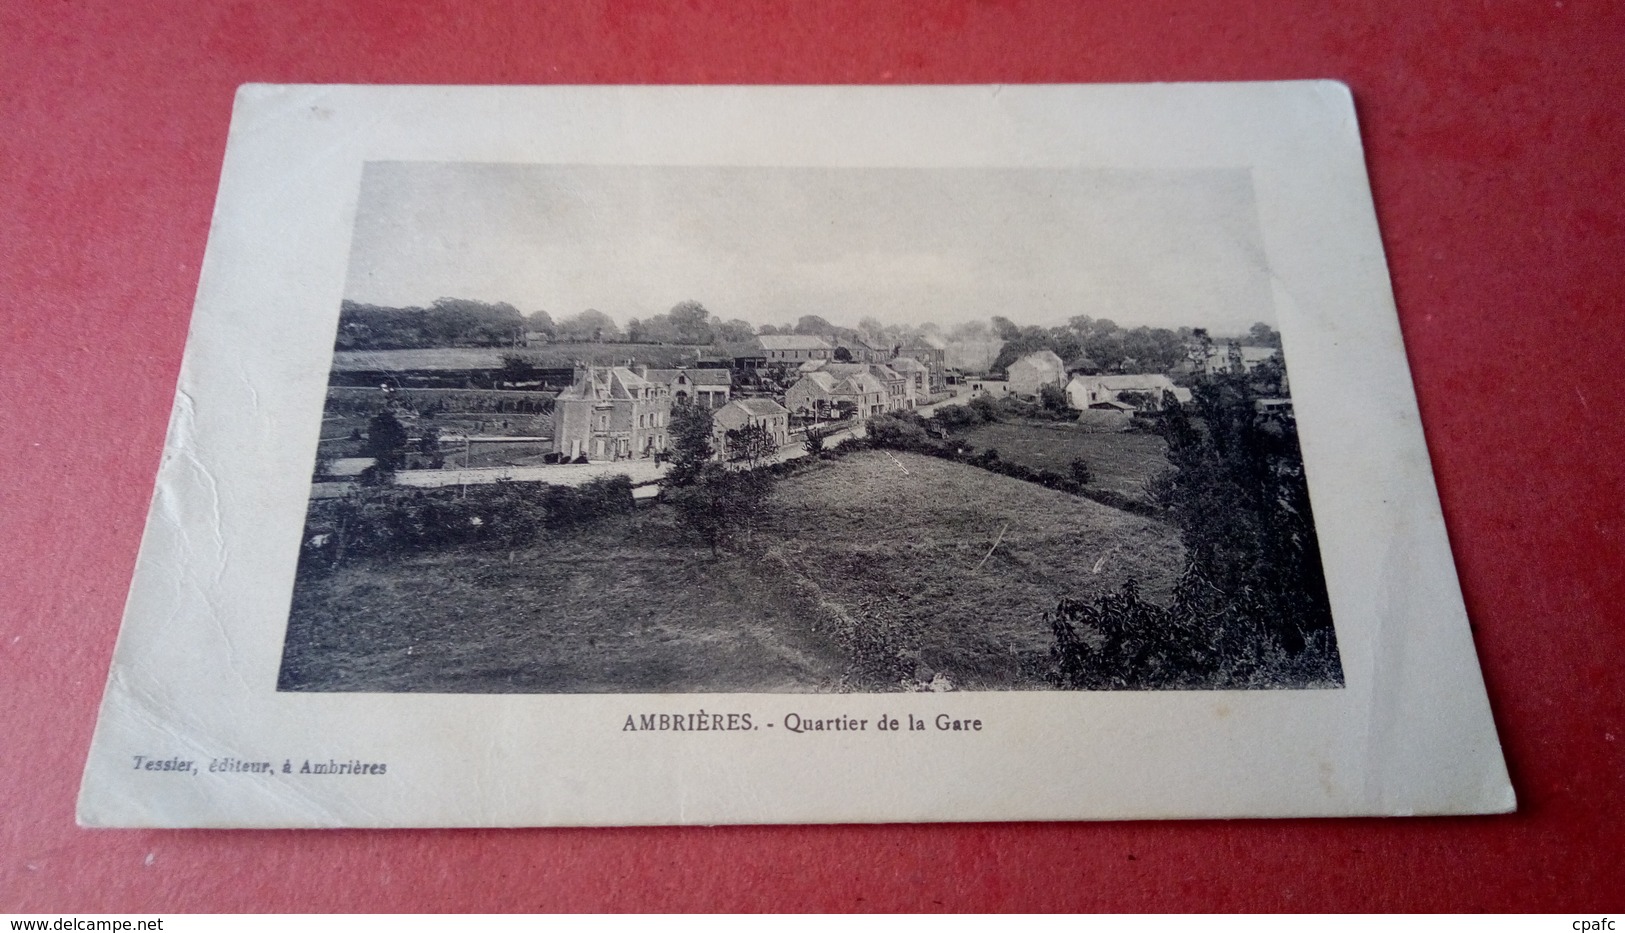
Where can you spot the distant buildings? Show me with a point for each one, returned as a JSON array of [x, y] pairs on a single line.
[[794, 348], [1221, 360], [611, 413]]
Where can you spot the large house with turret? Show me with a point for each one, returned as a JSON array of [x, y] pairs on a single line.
[[611, 413]]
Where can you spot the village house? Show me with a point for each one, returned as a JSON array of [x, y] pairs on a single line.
[[864, 392], [1124, 393], [794, 348], [750, 412], [916, 374], [932, 351], [859, 350], [812, 394], [1034, 371], [823, 394], [898, 393], [611, 413], [710, 388]]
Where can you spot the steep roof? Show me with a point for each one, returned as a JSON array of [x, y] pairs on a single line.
[[881, 371], [1045, 359], [792, 342], [821, 379], [908, 364], [860, 384], [760, 407], [1128, 383], [602, 383]]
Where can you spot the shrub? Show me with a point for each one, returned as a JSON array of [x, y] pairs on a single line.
[[814, 441], [985, 408], [1080, 471]]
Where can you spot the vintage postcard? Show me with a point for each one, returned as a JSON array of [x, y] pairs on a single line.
[[594, 455]]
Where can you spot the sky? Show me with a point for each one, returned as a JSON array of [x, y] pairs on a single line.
[[768, 245]]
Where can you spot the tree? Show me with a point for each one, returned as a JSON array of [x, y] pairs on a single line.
[[1107, 350], [817, 437], [590, 324], [1269, 376], [1081, 474], [541, 322], [1199, 349], [1005, 328], [1263, 335], [386, 441], [842, 355], [751, 443], [813, 325], [1053, 397], [1240, 499], [691, 431], [722, 504], [691, 322], [734, 331]]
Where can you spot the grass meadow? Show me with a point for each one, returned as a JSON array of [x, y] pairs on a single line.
[[934, 567], [1121, 462]]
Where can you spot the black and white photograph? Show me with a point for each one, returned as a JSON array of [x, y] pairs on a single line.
[[708, 429]]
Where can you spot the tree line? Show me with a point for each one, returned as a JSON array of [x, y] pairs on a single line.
[[454, 322], [448, 322]]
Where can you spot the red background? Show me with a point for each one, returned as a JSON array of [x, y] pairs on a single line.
[[1495, 139]]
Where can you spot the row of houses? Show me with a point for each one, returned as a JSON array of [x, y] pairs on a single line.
[[861, 389], [624, 413]]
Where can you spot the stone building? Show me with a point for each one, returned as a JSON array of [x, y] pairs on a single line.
[[794, 348], [1034, 371], [710, 388], [611, 413], [739, 413]]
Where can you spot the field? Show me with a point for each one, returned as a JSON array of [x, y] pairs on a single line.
[[873, 555], [1121, 463]]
